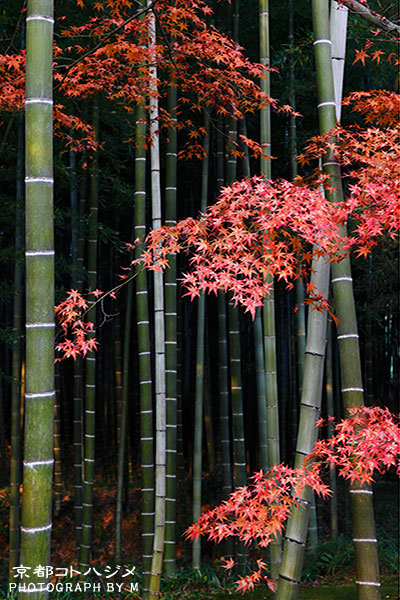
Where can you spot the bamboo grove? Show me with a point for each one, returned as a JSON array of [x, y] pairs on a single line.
[[207, 192]]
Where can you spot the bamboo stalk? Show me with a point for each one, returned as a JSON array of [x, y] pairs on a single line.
[[200, 356], [78, 391], [38, 462], [57, 446], [331, 413], [296, 530], [90, 383], [16, 451], [144, 350], [159, 329], [171, 310]]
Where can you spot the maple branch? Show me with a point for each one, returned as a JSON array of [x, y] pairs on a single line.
[[137, 14], [381, 21]]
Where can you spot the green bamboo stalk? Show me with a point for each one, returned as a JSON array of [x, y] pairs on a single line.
[[198, 427], [300, 332], [200, 356], [208, 414], [369, 382], [3, 465], [171, 310], [265, 114], [261, 393], [220, 155], [77, 430], [15, 471], [296, 530], [122, 446], [272, 407], [269, 304], [223, 354], [299, 286], [259, 352], [331, 413], [74, 215], [293, 380], [118, 375], [90, 384], [239, 452], [292, 95], [312, 538], [57, 446], [39, 394], [329, 96], [159, 330], [238, 437], [144, 349], [224, 398]]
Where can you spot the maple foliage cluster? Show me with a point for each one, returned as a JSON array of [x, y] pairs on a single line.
[[369, 156], [365, 442], [70, 315], [110, 54], [261, 228], [257, 228]]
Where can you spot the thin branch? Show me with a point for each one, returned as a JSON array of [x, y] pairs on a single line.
[[371, 16]]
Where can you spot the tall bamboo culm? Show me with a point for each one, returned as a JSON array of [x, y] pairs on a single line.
[[15, 471], [159, 332], [144, 349], [224, 428], [123, 437], [78, 369], [90, 383], [259, 352], [238, 438], [200, 369], [361, 497], [296, 529], [331, 413], [269, 304], [171, 310], [57, 444], [39, 393]]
